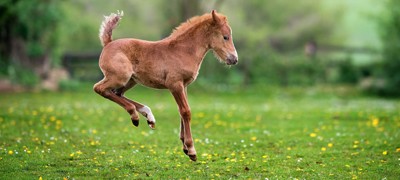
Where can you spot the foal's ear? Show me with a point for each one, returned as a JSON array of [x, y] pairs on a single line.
[[215, 17]]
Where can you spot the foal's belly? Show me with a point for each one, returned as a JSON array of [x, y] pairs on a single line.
[[149, 81]]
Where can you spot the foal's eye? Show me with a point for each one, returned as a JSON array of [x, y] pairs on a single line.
[[226, 38]]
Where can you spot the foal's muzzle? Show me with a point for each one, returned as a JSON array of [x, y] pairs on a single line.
[[231, 60]]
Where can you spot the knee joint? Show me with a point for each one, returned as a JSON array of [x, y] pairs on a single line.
[[185, 113]]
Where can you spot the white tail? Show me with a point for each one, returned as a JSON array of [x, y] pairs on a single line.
[[107, 26]]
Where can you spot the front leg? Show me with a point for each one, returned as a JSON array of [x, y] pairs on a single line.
[[179, 94], [182, 137]]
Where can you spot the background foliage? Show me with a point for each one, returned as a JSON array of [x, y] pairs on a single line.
[[356, 41], [390, 35]]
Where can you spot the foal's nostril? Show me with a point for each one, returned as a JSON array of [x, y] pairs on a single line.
[[235, 61], [232, 60]]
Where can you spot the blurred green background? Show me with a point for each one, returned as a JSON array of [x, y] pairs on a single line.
[[51, 44]]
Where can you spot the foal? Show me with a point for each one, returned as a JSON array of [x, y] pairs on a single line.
[[172, 63]]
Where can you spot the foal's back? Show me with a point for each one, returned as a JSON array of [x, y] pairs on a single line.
[[145, 62]]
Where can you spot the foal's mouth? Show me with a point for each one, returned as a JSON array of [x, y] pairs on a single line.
[[231, 60]]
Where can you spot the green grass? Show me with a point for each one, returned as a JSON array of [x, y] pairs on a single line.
[[316, 133]]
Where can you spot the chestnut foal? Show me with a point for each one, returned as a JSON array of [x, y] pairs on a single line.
[[172, 63]]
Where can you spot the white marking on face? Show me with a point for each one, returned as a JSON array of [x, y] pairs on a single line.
[[235, 53], [146, 112]]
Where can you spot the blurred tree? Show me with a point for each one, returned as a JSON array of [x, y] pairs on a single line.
[[289, 26], [270, 36], [179, 11], [28, 34], [390, 36]]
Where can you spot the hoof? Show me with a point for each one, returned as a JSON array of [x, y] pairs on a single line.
[[151, 124], [135, 123], [185, 151], [193, 157]]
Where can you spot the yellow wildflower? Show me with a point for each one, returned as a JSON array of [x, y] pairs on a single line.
[[375, 122], [313, 135]]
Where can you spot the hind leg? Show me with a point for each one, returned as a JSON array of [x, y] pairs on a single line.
[[107, 88], [146, 112], [143, 109]]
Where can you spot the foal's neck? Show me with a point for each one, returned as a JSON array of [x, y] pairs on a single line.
[[194, 42]]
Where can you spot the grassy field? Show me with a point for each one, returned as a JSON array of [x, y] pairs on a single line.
[[312, 133]]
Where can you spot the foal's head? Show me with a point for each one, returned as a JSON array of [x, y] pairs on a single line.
[[221, 40]]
